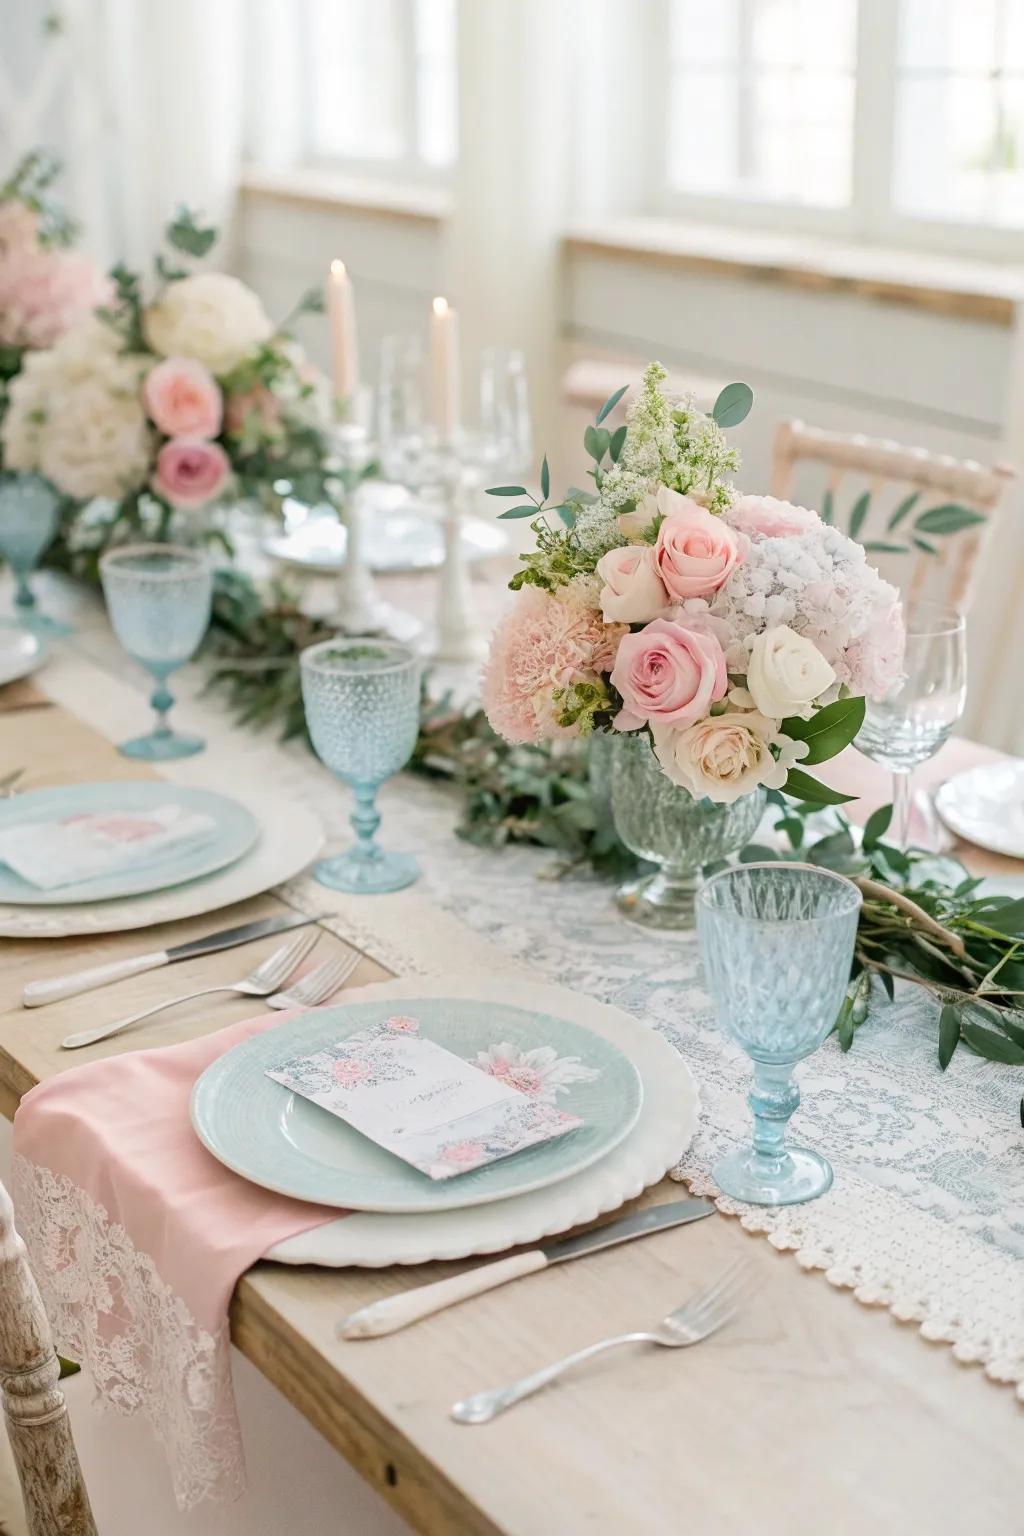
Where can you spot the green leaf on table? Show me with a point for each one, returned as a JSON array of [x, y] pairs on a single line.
[[802, 787], [858, 516], [949, 1034], [758, 853], [527, 511], [828, 507], [1014, 1029], [951, 517], [1009, 918], [67, 1367], [887, 983], [793, 828], [904, 510], [733, 405], [545, 479], [610, 404], [618, 438], [836, 851], [994, 1047], [844, 1026], [828, 731], [506, 490], [876, 826]]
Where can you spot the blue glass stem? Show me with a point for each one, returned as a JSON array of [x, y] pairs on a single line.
[[365, 820], [162, 701], [773, 1098], [24, 597]]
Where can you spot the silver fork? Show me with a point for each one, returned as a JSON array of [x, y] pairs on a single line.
[[265, 979], [695, 1320], [318, 985], [8, 782]]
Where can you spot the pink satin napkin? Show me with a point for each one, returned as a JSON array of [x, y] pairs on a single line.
[[138, 1236]]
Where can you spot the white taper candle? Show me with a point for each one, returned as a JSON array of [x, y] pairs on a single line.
[[341, 313], [444, 352]]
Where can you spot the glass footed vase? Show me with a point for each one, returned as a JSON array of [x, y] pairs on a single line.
[[663, 823]]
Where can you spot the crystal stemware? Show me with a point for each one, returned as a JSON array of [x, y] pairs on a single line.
[[909, 726], [776, 941], [29, 519], [158, 598], [362, 700]]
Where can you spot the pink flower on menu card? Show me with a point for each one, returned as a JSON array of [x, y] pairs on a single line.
[[402, 1024], [465, 1153], [191, 471], [183, 398], [349, 1072]]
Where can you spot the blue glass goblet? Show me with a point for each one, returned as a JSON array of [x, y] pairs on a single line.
[[158, 598], [29, 519], [777, 941], [362, 701]]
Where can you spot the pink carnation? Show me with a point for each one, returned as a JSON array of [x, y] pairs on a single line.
[[182, 398], [543, 643], [190, 471], [772, 518], [44, 292]]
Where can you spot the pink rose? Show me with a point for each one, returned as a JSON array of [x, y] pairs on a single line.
[[633, 592], [771, 517], [190, 471], [183, 399], [667, 675], [696, 550]]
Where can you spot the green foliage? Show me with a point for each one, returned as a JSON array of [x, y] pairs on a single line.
[[610, 404], [801, 786], [943, 520], [30, 183], [187, 235], [828, 731], [733, 405]]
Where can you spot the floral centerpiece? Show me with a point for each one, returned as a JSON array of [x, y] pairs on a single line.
[[735, 636], [169, 402]]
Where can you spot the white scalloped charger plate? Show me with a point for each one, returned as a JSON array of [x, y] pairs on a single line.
[[290, 838], [664, 1129], [985, 805]]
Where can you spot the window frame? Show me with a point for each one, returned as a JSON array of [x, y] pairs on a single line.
[[871, 217]]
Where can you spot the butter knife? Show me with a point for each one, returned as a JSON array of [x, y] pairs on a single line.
[[396, 1312], [38, 992]]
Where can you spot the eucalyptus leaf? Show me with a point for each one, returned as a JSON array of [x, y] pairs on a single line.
[[924, 546], [615, 446], [1008, 918], [904, 510], [858, 516], [733, 405], [880, 547], [596, 441], [951, 517], [545, 479], [507, 490], [949, 1033], [610, 404], [828, 507], [992, 1046], [527, 511], [758, 853], [876, 826], [567, 514]]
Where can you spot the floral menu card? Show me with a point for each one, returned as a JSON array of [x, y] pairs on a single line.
[[416, 1099]]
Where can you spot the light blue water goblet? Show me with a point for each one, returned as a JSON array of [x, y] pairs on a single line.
[[362, 701], [777, 941], [158, 598], [29, 519]]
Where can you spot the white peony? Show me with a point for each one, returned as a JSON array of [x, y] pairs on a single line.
[[722, 757], [76, 416], [209, 316], [786, 673]]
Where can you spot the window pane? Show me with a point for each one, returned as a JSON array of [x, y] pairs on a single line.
[[436, 101], [356, 67], [765, 112], [959, 151]]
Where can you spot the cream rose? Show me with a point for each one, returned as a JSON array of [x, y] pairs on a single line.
[[696, 551], [633, 592], [786, 673], [209, 316], [722, 757]]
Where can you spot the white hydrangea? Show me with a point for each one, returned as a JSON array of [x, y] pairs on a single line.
[[209, 316]]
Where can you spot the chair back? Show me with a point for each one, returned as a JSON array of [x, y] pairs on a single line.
[[56, 1503], [923, 517]]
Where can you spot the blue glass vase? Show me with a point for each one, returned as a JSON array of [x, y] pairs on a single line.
[[29, 519]]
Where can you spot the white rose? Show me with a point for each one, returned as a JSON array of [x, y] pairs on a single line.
[[633, 592], [721, 757], [209, 316], [634, 525], [786, 673]]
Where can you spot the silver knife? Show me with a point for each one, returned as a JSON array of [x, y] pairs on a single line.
[[39, 992], [396, 1312]]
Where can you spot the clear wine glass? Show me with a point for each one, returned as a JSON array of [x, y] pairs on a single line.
[[402, 415], [505, 411], [158, 598], [776, 941], [909, 726]]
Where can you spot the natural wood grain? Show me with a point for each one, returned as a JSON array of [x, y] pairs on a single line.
[[811, 1413], [56, 1503]]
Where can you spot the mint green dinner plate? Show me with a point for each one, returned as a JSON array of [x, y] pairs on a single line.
[[275, 1138]]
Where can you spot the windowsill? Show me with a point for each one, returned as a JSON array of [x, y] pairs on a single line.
[[949, 285], [328, 190]]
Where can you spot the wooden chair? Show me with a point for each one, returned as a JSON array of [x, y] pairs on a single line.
[[882, 468], [56, 1503]]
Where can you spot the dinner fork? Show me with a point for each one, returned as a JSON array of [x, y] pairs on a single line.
[[697, 1319], [318, 985], [8, 783], [265, 979]]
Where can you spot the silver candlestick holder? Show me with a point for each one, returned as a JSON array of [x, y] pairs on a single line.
[[361, 608]]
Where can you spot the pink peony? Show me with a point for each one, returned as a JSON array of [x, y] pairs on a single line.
[[696, 551], [44, 292], [633, 592], [183, 399], [190, 471], [667, 675], [772, 518], [544, 642]]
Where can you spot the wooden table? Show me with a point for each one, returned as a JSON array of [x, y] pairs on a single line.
[[811, 1413]]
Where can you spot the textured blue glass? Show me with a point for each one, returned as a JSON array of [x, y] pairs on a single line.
[[362, 701], [776, 941], [29, 519], [158, 599]]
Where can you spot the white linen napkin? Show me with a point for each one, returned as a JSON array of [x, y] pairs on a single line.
[[49, 854]]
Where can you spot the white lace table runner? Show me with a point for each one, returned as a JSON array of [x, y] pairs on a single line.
[[926, 1215]]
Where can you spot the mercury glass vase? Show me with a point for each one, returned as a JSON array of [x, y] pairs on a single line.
[[663, 823]]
